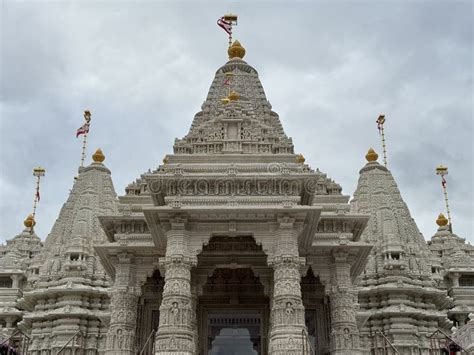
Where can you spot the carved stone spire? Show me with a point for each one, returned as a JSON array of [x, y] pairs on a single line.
[[70, 267], [398, 274], [17, 255], [245, 124]]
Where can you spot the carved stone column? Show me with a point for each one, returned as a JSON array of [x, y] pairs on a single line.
[[124, 307], [287, 313], [343, 299], [176, 333]]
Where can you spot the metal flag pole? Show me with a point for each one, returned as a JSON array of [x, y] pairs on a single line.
[[380, 122], [232, 20], [87, 117], [38, 173], [442, 171]]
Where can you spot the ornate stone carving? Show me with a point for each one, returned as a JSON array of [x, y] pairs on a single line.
[[176, 331], [287, 312]]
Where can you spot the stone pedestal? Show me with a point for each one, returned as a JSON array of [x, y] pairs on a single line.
[[343, 299], [176, 331], [287, 313]]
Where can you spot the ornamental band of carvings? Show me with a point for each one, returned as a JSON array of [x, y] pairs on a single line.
[[234, 187]]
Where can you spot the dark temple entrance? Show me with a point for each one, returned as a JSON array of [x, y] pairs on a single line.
[[233, 310]]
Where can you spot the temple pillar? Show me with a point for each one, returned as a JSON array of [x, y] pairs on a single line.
[[343, 299], [15, 280], [124, 308], [287, 311], [176, 331], [455, 279]]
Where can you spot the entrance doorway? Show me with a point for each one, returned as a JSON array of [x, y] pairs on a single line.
[[234, 332], [233, 310]]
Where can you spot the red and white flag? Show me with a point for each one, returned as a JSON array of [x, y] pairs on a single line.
[[84, 129], [443, 181], [226, 81], [226, 25]]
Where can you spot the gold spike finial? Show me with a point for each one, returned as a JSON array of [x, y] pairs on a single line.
[[29, 222], [98, 156], [442, 220], [236, 50], [371, 155], [300, 159]]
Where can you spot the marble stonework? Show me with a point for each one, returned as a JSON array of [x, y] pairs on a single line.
[[234, 226]]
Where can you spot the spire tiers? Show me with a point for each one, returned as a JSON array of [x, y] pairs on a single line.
[[399, 261], [68, 263], [236, 117]]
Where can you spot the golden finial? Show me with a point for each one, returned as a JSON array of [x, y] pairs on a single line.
[[39, 171], [236, 50], [442, 170], [98, 156], [231, 18], [300, 159], [371, 155], [166, 160], [233, 96], [442, 220], [29, 222]]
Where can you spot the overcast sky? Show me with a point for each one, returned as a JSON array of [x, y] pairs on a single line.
[[329, 68]]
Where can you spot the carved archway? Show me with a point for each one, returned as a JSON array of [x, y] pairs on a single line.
[[232, 299]]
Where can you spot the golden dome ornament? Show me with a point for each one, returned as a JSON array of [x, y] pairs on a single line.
[[236, 50], [98, 156], [29, 222], [442, 221], [371, 155], [300, 159]]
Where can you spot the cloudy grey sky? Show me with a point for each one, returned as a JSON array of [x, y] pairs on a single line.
[[329, 68]]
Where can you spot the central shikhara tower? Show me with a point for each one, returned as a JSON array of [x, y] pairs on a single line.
[[235, 242], [235, 175]]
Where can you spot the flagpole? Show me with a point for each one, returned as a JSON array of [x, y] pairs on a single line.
[[87, 117], [380, 122], [38, 173], [442, 171], [84, 145], [232, 20]]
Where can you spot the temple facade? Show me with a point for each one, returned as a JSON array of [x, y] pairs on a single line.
[[234, 245]]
